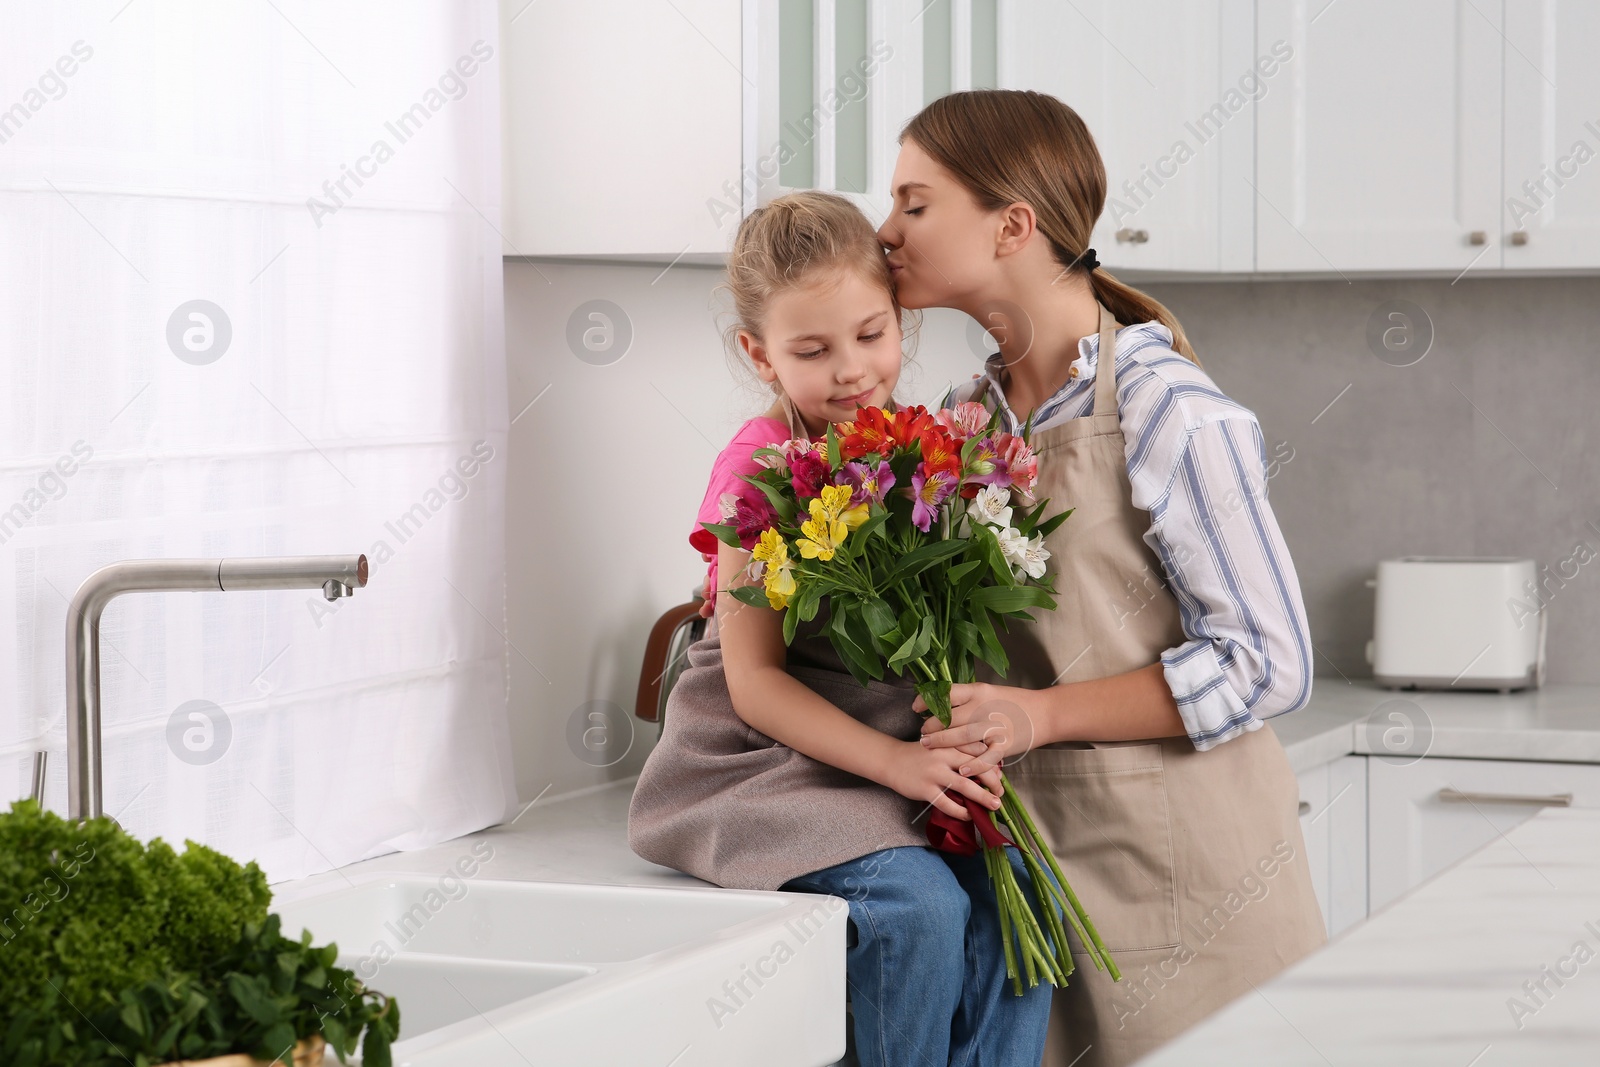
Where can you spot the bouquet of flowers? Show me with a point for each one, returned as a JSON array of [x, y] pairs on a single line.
[[920, 532]]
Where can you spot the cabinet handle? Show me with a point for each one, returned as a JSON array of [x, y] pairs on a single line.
[[1478, 237], [1519, 237], [1137, 237], [1550, 800], [1305, 807]]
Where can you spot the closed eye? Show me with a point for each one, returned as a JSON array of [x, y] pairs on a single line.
[[914, 211]]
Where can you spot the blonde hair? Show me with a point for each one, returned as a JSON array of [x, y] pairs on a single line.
[[793, 241], [1006, 145]]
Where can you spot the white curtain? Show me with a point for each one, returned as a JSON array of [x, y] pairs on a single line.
[[250, 305]]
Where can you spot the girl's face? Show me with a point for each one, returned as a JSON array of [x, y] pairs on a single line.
[[941, 243], [833, 345]]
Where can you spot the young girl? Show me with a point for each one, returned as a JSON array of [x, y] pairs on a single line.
[[776, 769]]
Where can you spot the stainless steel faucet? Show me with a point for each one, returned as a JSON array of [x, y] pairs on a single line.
[[336, 576]]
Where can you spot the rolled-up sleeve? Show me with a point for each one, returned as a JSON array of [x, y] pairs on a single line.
[[1247, 656]]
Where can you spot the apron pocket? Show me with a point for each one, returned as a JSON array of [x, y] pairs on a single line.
[[1104, 813]]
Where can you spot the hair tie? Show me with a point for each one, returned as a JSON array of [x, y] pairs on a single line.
[[1088, 260]]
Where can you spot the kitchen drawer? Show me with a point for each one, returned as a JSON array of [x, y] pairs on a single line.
[[1426, 815]]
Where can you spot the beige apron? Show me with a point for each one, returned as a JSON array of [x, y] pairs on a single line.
[[1191, 863]]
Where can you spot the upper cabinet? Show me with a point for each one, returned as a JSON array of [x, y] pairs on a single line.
[[1328, 137], [622, 127], [1378, 147], [833, 82], [1551, 210]]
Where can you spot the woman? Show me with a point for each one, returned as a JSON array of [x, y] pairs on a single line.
[[1130, 716]]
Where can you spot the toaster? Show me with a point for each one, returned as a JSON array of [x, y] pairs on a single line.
[[1457, 622]]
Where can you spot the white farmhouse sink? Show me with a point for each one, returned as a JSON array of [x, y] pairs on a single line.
[[518, 973]]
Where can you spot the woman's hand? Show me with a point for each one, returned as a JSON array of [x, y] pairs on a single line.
[[922, 773], [998, 719]]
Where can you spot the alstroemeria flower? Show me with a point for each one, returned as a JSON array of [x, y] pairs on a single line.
[[929, 490], [808, 472], [940, 451], [751, 517], [822, 533], [907, 424], [1021, 463], [779, 573], [966, 419], [991, 505], [870, 484], [871, 431], [1025, 555]]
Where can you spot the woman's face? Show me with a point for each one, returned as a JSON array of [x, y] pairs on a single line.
[[941, 244], [833, 344]]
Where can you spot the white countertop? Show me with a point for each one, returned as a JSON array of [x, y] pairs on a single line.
[[1558, 723], [1424, 981], [583, 837], [1432, 979]]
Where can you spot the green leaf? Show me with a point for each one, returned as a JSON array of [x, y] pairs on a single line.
[[791, 619], [1048, 526], [921, 558], [961, 570], [754, 595], [775, 496], [727, 533], [1010, 599]]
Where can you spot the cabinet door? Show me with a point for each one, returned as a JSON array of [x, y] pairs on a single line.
[[1378, 148], [621, 127], [832, 82], [1333, 820], [1552, 148], [1424, 816], [1166, 88]]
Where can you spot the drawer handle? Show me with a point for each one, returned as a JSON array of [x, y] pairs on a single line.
[[1549, 800]]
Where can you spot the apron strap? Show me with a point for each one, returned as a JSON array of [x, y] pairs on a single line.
[[1105, 385], [1105, 375]]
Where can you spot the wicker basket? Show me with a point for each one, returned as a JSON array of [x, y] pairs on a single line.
[[307, 1053]]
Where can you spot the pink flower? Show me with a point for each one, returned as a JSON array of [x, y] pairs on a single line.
[[963, 420], [750, 517], [1020, 461]]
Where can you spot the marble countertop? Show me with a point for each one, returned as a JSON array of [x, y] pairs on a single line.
[[583, 837], [1430, 979], [1494, 962], [1558, 723]]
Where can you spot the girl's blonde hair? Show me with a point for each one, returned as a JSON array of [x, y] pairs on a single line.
[[796, 240], [1006, 145]]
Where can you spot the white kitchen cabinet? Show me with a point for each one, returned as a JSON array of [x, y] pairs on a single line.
[[1424, 816], [621, 127], [1552, 137], [832, 83], [1167, 91], [1333, 821], [1378, 149]]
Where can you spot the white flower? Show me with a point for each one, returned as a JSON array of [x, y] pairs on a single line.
[[1026, 556], [1033, 557], [728, 506], [992, 505]]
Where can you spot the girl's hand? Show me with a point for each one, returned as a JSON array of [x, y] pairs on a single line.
[[708, 606], [922, 773], [999, 717]]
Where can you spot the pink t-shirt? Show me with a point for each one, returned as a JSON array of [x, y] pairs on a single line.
[[733, 461]]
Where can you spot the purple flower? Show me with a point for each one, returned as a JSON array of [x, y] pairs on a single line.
[[870, 485], [929, 492]]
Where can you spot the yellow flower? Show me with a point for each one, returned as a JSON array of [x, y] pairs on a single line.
[[779, 581], [823, 533]]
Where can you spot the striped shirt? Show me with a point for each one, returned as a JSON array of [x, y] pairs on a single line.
[[1198, 464]]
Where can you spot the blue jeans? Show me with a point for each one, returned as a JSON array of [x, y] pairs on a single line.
[[925, 967]]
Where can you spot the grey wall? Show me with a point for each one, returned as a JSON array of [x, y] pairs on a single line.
[[1486, 446], [1483, 447]]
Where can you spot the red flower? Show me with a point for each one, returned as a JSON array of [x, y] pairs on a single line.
[[907, 424], [940, 451], [809, 473], [870, 432]]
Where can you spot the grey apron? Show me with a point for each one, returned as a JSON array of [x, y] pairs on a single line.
[[722, 801], [1191, 863]]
